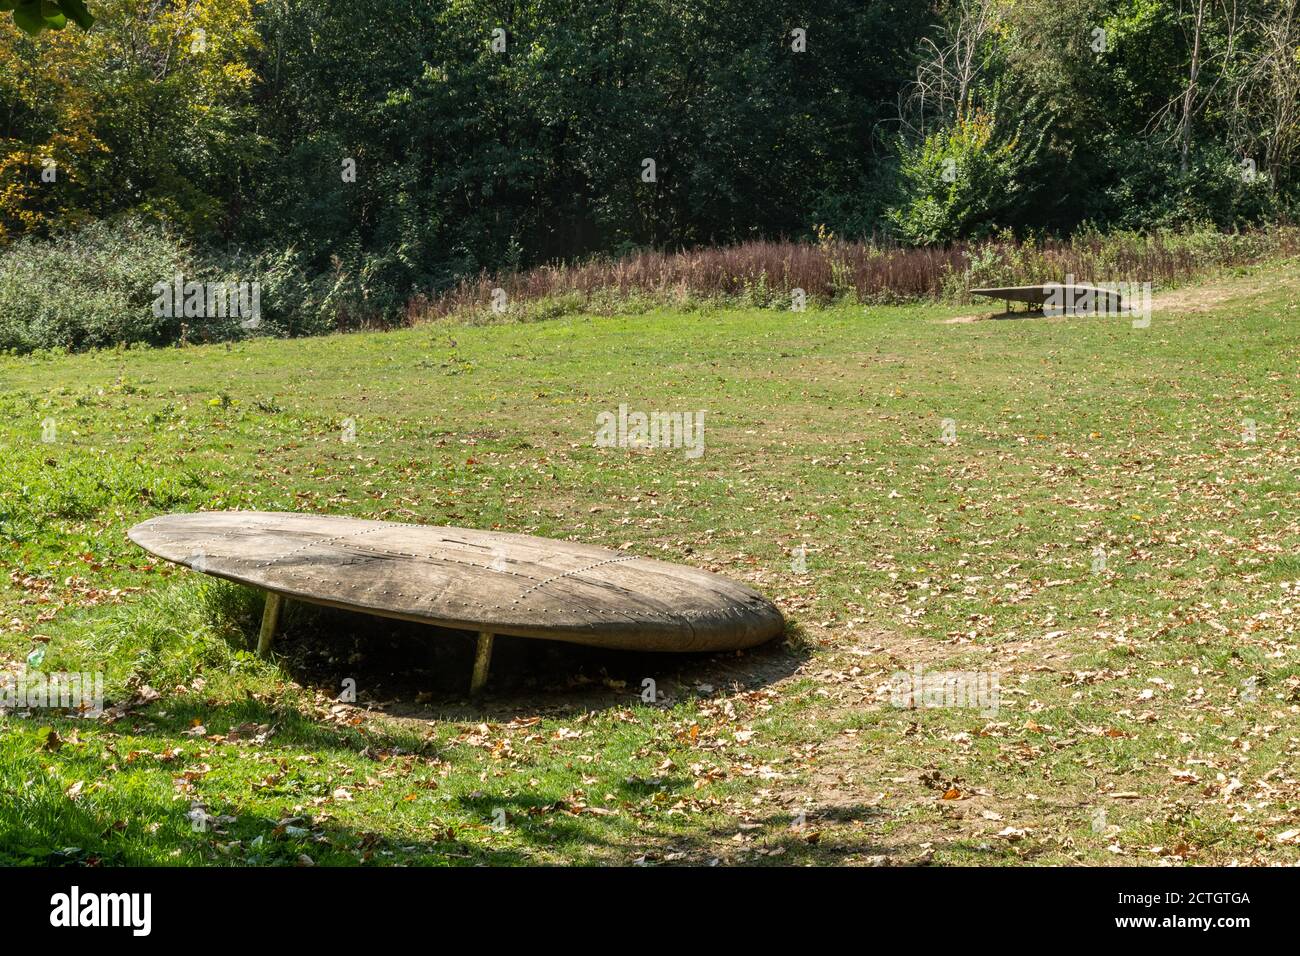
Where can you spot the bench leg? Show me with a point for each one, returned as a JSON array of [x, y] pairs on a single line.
[[270, 621], [482, 660]]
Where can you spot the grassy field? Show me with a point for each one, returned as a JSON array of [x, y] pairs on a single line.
[[1103, 533]]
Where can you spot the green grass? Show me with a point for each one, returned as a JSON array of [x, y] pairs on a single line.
[[1126, 691]]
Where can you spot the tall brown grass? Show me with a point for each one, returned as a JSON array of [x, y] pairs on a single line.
[[766, 273]]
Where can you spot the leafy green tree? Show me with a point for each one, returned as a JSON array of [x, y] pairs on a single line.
[[960, 182], [150, 112], [471, 155]]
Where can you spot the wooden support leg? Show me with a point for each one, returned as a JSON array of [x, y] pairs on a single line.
[[482, 659], [270, 620]]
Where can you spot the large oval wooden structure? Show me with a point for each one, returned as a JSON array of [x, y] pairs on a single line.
[[485, 581]]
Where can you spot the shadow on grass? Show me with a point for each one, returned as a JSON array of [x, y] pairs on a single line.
[[514, 831], [522, 830], [421, 671], [285, 724], [638, 820], [828, 836]]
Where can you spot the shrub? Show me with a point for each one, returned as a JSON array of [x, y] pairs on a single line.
[[89, 288], [1150, 191], [958, 183], [96, 288], [290, 302]]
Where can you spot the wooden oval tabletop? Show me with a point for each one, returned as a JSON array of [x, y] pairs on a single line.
[[475, 580]]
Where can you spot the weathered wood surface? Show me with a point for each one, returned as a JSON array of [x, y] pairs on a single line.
[[482, 581], [1066, 294]]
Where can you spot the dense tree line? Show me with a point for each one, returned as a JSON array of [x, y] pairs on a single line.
[[381, 149]]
